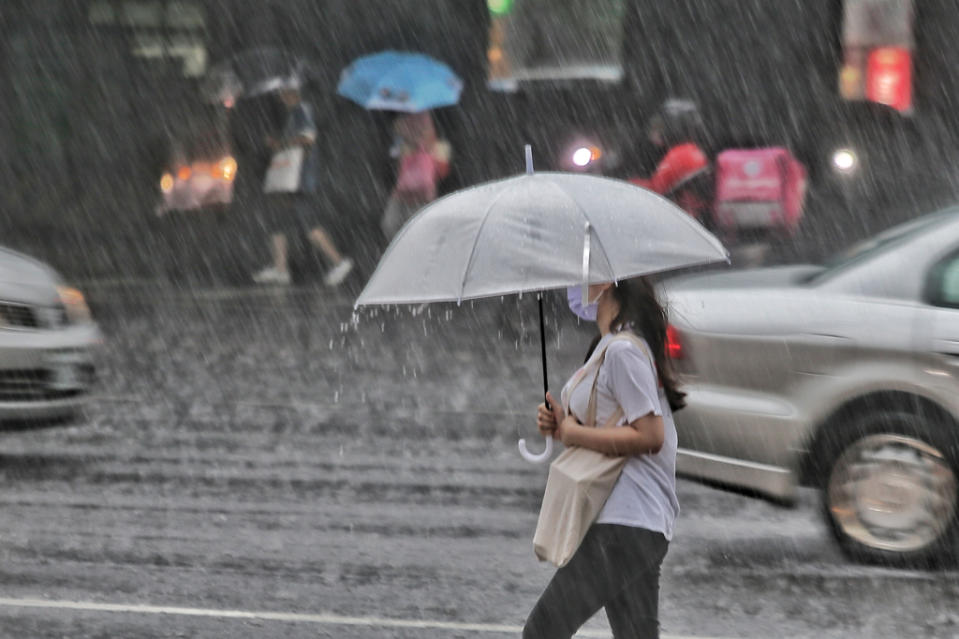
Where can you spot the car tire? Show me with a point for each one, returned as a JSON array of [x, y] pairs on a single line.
[[890, 496]]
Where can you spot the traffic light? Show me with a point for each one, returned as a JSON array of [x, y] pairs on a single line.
[[500, 7]]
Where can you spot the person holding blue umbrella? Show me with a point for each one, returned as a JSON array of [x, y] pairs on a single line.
[[409, 84], [422, 161], [400, 81]]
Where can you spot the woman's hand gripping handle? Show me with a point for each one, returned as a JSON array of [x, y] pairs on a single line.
[[549, 416]]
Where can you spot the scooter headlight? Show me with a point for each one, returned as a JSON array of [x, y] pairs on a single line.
[[585, 155], [582, 156], [845, 161]]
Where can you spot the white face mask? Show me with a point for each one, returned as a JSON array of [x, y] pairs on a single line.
[[588, 311]]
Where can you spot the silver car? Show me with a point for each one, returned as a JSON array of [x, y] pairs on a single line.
[[46, 339], [844, 377]]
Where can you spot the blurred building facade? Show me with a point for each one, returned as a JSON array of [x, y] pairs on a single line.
[[95, 87]]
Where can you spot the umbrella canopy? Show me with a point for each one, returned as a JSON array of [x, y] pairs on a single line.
[[253, 72], [533, 233], [400, 81]]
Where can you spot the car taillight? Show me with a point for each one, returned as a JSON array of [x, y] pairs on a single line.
[[674, 347], [184, 173]]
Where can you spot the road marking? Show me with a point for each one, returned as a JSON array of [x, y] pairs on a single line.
[[320, 619], [118, 399]]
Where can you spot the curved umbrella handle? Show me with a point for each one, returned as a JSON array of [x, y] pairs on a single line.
[[540, 458]]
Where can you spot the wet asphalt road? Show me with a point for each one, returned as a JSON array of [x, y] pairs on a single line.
[[258, 451]]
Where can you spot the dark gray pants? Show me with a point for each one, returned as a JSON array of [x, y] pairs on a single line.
[[617, 568]]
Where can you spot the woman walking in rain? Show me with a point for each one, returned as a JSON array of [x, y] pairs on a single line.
[[423, 161], [617, 565]]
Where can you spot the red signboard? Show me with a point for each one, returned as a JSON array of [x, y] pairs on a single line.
[[877, 52], [889, 77]]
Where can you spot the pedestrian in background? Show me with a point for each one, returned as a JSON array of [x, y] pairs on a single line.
[[617, 565], [289, 183], [423, 160]]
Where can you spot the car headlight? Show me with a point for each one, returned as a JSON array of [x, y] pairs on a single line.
[[226, 169], [75, 304]]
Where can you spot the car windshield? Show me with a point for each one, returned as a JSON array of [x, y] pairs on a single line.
[[878, 244], [198, 136]]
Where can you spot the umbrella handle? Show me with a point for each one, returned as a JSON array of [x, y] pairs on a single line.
[[540, 458], [546, 454]]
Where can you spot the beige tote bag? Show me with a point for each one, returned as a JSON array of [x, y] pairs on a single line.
[[579, 483]]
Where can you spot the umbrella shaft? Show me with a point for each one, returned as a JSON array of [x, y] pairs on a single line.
[[542, 343]]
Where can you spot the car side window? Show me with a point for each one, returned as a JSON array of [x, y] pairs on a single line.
[[944, 282]]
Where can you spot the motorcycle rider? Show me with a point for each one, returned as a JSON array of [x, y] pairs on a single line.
[[684, 172]]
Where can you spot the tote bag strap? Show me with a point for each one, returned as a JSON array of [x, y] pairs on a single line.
[[579, 376], [591, 406]]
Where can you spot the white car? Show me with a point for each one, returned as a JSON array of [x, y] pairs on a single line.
[[46, 342], [200, 169], [198, 185], [843, 377]]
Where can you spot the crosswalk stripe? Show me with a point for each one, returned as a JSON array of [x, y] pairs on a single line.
[[321, 619]]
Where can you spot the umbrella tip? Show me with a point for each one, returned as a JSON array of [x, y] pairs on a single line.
[[529, 159]]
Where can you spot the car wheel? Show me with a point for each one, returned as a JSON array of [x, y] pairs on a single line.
[[891, 494]]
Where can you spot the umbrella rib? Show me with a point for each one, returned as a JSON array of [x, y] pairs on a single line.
[[582, 211], [479, 231]]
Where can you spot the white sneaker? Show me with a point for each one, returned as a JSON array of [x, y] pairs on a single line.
[[338, 273], [272, 275]]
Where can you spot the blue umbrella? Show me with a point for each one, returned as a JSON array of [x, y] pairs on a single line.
[[400, 81]]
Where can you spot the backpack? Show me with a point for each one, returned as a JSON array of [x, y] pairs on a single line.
[[417, 177], [759, 190]]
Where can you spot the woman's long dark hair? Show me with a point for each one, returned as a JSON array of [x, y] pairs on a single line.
[[641, 312]]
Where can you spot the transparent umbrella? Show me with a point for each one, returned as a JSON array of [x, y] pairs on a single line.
[[253, 72], [534, 233]]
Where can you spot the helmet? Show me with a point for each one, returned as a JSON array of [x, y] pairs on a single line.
[[677, 121]]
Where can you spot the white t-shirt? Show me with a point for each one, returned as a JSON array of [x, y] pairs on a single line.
[[645, 494]]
